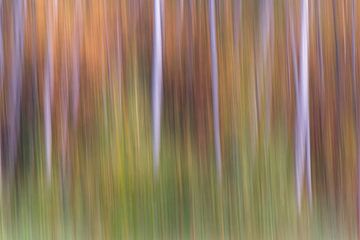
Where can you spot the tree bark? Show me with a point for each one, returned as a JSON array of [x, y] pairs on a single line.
[[214, 77], [157, 83], [49, 85], [355, 105], [303, 122], [15, 86], [75, 86]]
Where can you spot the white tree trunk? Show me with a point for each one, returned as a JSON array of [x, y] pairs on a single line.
[[302, 150], [157, 83], [48, 84], [214, 77]]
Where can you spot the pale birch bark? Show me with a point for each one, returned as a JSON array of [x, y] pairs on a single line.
[[157, 83], [302, 148], [215, 94], [49, 84]]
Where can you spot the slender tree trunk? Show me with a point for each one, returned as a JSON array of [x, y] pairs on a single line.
[[64, 113], [1, 85], [355, 105], [214, 77], [337, 171], [305, 90], [48, 85], [303, 121], [157, 83], [237, 12], [266, 47], [294, 56], [119, 55], [15, 86], [76, 62], [34, 84], [1, 46], [256, 132], [322, 101], [320, 48], [299, 145]]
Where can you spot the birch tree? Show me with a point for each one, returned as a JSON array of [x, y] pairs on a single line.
[[49, 83], [15, 85], [302, 148], [157, 83], [214, 78]]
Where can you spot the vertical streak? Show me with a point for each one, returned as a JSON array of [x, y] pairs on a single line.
[[321, 63], [48, 86], [157, 84], [267, 40], [34, 84], [15, 86], [299, 138], [119, 54], [320, 47], [1, 46], [337, 165], [303, 123], [64, 112], [294, 57], [76, 61], [305, 89], [355, 105], [214, 77], [237, 12], [1, 84]]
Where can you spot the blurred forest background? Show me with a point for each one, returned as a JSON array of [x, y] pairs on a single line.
[[179, 119]]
